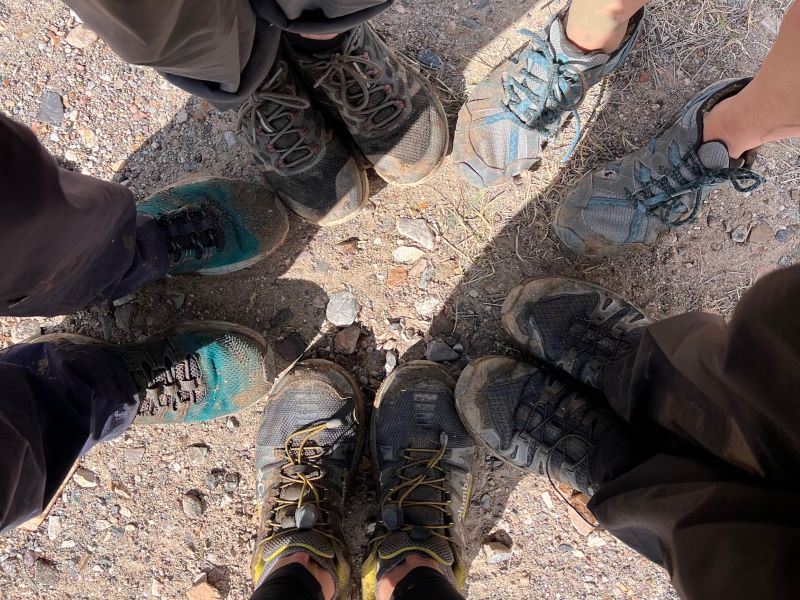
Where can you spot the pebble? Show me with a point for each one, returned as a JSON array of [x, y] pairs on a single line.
[[203, 591], [416, 230], [192, 506], [429, 58], [156, 588], [25, 329], [215, 478], [123, 316], [440, 352], [71, 156], [785, 261], [53, 528], [232, 423], [342, 308], [391, 362], [564, 548], [230, 139], [197, 453], [470, 23], [782, 235], [81, 37], [739, 234], [426, 277], [46, 573], [595, 540], [120, 490], [181, 116], [346, 341], [133, 455], [486, 502], [548, 501], [427, 306], [760, 234], [52, 108], [85, 478], [396, 277], [177, 299], [407, 254], [124, 300], [497, 552], [793, 215]]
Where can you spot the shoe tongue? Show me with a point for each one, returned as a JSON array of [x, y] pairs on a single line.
[[714, 155]]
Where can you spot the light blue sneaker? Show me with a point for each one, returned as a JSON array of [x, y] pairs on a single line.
[[523, 102], [216, 225], [631, 201]]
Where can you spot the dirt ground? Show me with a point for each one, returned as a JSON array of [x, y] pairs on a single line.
[[130, 537]]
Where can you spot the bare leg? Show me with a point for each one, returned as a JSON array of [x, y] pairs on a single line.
[[768, 109], [600, 24]]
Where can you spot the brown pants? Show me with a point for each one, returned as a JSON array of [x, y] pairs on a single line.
[[722, 519], [220, 50]]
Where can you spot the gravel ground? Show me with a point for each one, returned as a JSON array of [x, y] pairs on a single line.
[[168, 511]]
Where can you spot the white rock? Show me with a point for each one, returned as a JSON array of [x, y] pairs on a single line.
[[407, 254], [85, 478], [595, 540], [416, 230], [497, 552], [81, 37], [53, 528], [427, 306]]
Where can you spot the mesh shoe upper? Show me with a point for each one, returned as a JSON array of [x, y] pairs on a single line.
[[216, 225], [396, 122], [663, 185], [523, 102]]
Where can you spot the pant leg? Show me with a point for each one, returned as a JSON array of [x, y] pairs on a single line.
[[56, 402], [66, 239], [424, 583], [291, 582]]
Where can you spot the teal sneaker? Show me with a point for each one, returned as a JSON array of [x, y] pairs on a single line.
[[631, 201], [524, 101], [215, 225]]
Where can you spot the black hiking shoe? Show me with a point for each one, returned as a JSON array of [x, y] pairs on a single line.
[[392, 116], [572, 325], [309, 168], [308, 447], [425, 460], [542, 422]]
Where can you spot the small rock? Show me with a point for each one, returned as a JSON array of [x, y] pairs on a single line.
[[156, 588], [760, 234], [124, 300], [440, 352], [739, 234], [497, 552], [71, 156], [231, 482], [396, 277], [87, 136], [672, 239], [416, 230], [232, 423], [192, 506], [564, 548], [81, 37], [595, 540], [426, 277], [125, 512], [177, 299], [52, 108], [231, 139], [133, 455], [548, 501], [429, 58], [427, 306], [181, 116], [782, 235], [123, 316], [342, 308], [215, 478], [470, 23], [346, 341], [486, 502], [102, 524], [53, 528], [785, 261], [197, 453], [793, 215], [46, 573], [291, 347], [68, 544], [391, 362], [203, 591], [120, 490], [407, 254], [25, 329], [322, 266], [85, 478], [712, 220]]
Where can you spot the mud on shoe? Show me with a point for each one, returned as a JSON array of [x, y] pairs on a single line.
[[425, 460], [572, 325], [308, 447], [396, 122], [307, 165], [522, 104], [215, 225], [630, 202], [540, 421]]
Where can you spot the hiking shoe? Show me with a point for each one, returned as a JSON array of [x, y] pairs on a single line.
[[306, 164], [572, 325], [395, 121], [191, 372], [539, 421], [523, 102], [215, 225], [425, 460], [308, 447], [631, 201]]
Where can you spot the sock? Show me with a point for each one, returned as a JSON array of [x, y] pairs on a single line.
[[309, 46]]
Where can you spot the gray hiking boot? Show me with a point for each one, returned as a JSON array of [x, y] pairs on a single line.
[[425, 460], [631, 201], [307, 166], [542, 422], [308, 447], [395, 121], [572, 325], [524, 101]]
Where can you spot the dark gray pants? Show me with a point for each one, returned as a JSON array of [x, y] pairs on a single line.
[[220, 50]]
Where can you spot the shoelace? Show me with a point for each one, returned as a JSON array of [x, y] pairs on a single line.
[[169, 383], [398, 497], [259, 125], [302, 468], [675, 186], [192, 233], [353, 80], [530, 106], [598, 341]]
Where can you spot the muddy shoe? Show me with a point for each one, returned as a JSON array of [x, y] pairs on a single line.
[[308, 447], [395, 121], [572, 325], [544, 423], [631, 201], [215, 225], [309, 168], [523, 102], [425, 460]]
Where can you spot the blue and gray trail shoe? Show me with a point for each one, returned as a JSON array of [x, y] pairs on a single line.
[[524, 101], [307, 450], [629, 202], [425, 460], [215, 225], [543, 422]]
